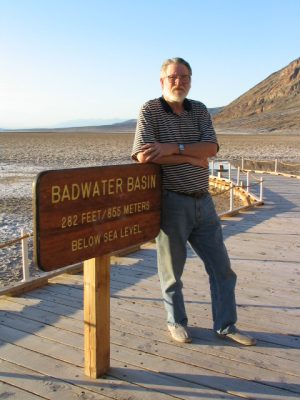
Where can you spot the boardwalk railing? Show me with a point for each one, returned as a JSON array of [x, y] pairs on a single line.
[[24, 247], [275, 166], [225, 177], [238, 183]]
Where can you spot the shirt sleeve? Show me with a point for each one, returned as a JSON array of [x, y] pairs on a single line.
[[144, 132], [208, 133]]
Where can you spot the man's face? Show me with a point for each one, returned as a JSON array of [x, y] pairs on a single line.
[[176, 83]]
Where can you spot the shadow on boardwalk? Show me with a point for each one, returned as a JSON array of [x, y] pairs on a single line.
[[275, 204]]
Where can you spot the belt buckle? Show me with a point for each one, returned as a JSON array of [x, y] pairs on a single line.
[[199, 194]]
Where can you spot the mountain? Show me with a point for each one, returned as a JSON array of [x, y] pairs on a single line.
[[93, 126], [215, 110], [127, 126], [119, 127], [271, 105], [87, 122]]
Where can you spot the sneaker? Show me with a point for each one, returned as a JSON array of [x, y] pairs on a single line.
[[238, 337], [180, 333]]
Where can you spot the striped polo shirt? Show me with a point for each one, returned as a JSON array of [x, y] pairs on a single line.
[[158, 123]]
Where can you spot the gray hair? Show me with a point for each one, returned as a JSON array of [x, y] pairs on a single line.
[[175, 60]]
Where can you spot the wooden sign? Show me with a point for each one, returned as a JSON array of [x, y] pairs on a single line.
[[84, 213]]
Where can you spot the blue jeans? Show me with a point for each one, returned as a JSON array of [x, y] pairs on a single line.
[[185, 220]]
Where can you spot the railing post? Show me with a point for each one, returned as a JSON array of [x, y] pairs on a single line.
[[220, 170], [212, 167], [248, 180], [276, 166], [229, 170], [26, 274], [261, 189], [242, 163], [238, 175], [231, 199]]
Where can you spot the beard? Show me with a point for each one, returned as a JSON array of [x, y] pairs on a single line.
[[176, 95]]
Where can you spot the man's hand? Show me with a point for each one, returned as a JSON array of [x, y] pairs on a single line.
[[199, 162], [153, 151]]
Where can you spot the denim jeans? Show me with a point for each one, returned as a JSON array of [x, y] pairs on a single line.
[[185, 220]]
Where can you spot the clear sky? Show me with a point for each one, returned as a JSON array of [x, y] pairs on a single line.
[[65, 60]]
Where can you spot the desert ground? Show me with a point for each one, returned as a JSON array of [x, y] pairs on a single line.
[[24, 155], [72, 150]]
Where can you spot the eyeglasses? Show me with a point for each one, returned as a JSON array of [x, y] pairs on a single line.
[[183, 78]]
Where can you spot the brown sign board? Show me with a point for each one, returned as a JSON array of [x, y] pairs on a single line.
[[83, 213]]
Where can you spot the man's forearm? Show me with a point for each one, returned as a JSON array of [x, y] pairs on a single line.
[[175, 159], [153, 151], [201, 149], [172, 159]]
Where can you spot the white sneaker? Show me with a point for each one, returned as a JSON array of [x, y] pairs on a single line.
[[180, 333], [237, 336]]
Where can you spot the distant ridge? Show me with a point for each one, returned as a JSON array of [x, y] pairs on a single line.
[[86, 122], [119, 127], [215, 110], [273, 104], [127, 126]]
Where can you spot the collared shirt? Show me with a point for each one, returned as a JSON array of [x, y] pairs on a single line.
[[158, 123]]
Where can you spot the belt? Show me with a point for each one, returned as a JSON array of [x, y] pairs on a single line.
[[196, 195]]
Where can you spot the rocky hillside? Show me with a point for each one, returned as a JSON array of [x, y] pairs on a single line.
[[272, 105]]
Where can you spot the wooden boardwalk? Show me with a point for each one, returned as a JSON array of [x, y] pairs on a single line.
[[41, 332]]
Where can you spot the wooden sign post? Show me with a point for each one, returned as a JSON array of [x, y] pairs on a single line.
[[96, 316], [86, 214]]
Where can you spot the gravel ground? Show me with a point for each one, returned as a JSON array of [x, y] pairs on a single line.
[[24, 155]]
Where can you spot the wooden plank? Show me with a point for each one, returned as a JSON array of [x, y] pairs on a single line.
[[114, 388], [150, 282], [38, 386], [57, 351], [234, 379], [159, 381], [162, 350], [133, 368], [13, 393], [126, 311], [34, 315], [68, 296], [22, 287], [209, 347], [142, 306], [58, 335], [97, 316], [270, 337], [188, 352], [38, 328], [153, 290]]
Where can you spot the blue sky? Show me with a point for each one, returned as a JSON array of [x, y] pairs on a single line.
[[66, 60]]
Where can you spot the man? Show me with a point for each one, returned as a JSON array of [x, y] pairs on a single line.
[[177, 133]]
